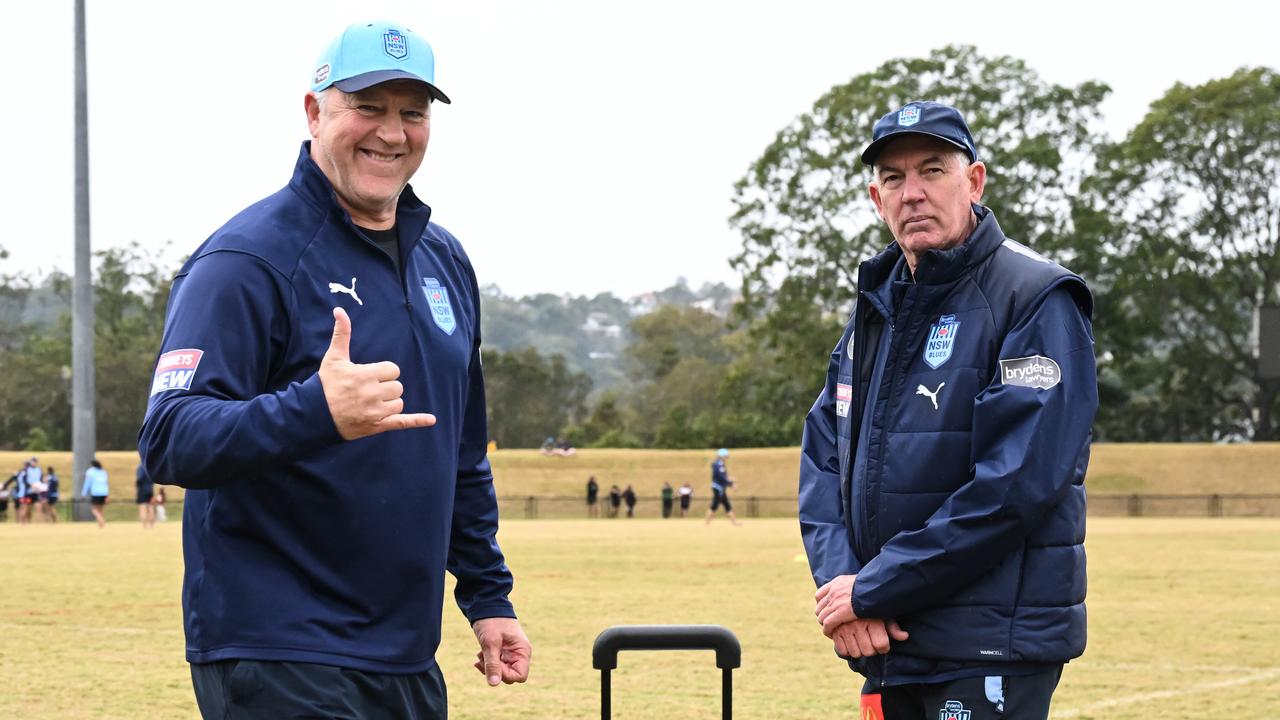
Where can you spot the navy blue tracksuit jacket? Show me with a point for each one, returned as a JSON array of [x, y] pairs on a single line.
[[300, 546], [944, 461]]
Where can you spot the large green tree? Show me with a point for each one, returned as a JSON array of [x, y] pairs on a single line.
[[1185, 214], [806, 220], [130, 293], [531, 397]]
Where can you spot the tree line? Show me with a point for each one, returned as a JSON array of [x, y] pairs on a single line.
[[1174, 225]]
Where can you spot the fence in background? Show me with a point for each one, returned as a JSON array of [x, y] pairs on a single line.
[[533, 507], [545, 507]]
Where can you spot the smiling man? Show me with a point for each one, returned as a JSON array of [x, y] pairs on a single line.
[[942, 475], [334, 474]]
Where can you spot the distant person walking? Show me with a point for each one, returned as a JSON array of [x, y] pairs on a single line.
[[49, 506], [37, 490], [97, 490], [615, 501], [668, 499], [686, 496], [720, 484], [23, 495], [629, 497], [143, 499], [593, 497]]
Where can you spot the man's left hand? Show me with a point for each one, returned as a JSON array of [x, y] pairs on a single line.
[[835, 604], [504, 650]]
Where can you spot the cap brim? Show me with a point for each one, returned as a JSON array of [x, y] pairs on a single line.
[[873, 150], [369, 79]]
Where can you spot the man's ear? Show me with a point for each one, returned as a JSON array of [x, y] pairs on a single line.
[[977, 173], [874, 189], [312, 106]]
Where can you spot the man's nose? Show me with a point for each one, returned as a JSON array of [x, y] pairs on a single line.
[[391, 129], [912, 188]]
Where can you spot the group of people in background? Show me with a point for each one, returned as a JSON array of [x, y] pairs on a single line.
[[35, 492], [30, 488], [720, 483]]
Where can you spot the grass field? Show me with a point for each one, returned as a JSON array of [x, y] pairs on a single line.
[[1189, 468], [1184, 622]]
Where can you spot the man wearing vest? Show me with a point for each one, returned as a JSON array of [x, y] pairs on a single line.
[[942, 500]]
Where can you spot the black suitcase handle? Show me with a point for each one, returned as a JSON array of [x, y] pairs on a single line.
[[604, 655]]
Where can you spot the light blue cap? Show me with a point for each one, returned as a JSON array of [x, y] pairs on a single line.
[[366, 54], [723, 452]]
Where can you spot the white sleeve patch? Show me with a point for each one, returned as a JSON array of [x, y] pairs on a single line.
[[175, 370], [1036, 371], [844, 396]]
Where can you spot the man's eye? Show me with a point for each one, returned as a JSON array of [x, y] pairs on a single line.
[[367, 108], [415, 115]]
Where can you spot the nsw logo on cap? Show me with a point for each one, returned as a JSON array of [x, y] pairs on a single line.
[[322, 74], [395, 44], [908, 116]]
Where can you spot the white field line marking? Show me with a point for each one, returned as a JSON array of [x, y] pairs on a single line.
[[1162, 694], [85, 628], [1169, 667]]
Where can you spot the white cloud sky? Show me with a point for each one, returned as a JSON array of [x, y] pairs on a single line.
[[591, 146]]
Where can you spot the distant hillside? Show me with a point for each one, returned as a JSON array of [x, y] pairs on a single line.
[[590, 332]]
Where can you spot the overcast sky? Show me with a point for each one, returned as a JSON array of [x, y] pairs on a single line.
[[592, 146]]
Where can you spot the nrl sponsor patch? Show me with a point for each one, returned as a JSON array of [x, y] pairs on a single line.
[[175, 370], [1036, 371], [844, 396], [954, 710]]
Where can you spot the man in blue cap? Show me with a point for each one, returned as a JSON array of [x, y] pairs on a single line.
[[720, 484], [942, 474], [320, 394]]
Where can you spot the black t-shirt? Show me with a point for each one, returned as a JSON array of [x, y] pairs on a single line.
[[387, 240]]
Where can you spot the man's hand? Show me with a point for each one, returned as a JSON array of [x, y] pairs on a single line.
[[835, 603], [363, 399], [504, 650], [864, 638]]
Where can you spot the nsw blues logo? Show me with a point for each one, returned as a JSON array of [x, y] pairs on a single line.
[[395, 45], [942, 336], [908, 116], [438, 300]]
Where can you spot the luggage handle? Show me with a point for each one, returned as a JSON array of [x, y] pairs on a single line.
[[604, 655]]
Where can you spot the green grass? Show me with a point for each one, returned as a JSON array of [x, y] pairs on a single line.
[[92, 624]]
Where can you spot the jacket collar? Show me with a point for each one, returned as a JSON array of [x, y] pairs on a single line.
[[939, 267], [309, 181]]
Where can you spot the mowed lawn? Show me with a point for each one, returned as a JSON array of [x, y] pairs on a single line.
[[1184, 622]]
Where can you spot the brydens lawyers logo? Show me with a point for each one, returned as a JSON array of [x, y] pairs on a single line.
[[175, 369], [953, 710]]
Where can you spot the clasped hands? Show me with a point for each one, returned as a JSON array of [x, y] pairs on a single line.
[[853, 636]]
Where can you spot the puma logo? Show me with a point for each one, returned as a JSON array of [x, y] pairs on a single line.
[[932, 395], [336, 288]]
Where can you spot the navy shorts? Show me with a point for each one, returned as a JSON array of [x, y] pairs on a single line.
[[98, 500], [718, 499], [268, 690], [1019, 697]]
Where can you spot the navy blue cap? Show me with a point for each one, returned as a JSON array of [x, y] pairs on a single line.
[[921, 118]]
